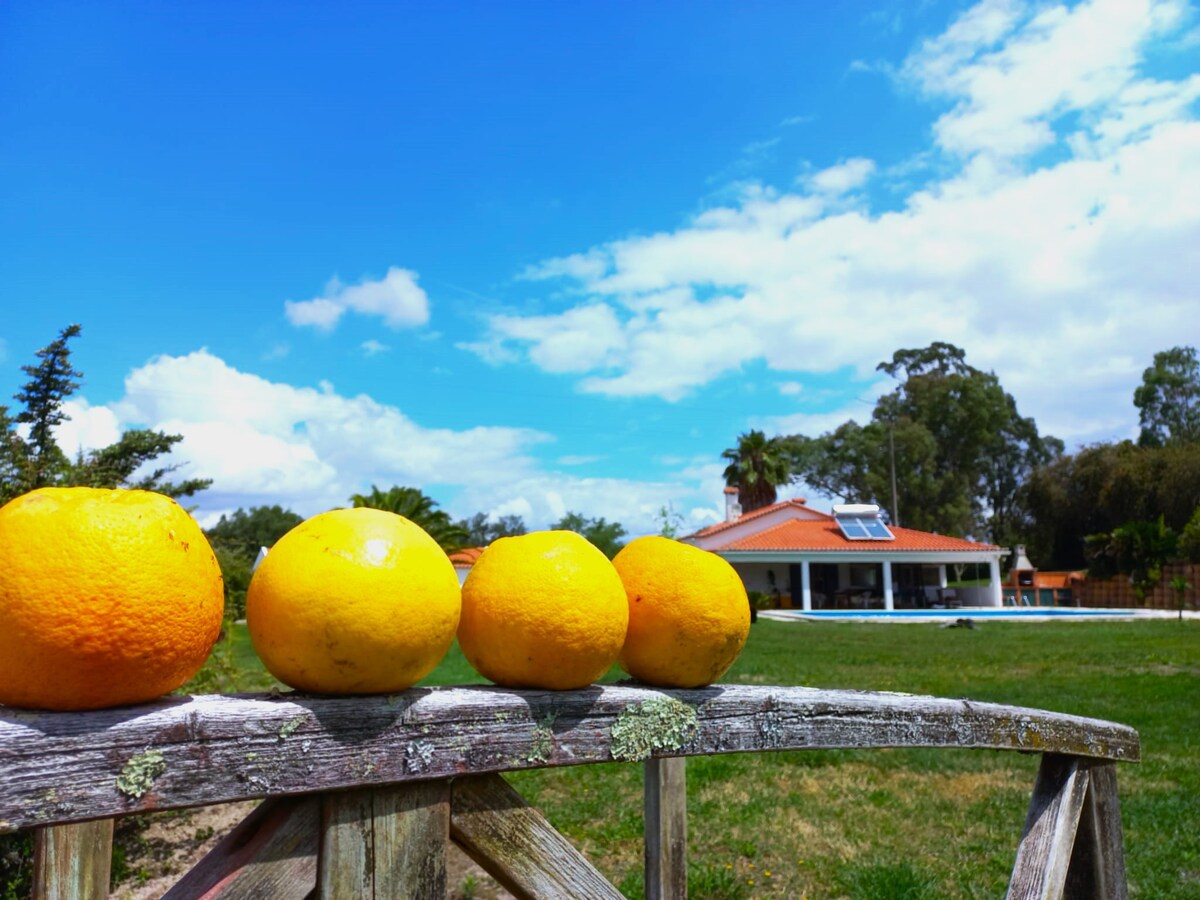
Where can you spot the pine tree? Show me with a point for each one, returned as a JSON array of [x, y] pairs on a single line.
[[28, 463], [52, 381]]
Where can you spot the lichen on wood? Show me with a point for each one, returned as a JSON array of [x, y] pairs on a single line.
[[139, 774], [543, 741], [662, 723]]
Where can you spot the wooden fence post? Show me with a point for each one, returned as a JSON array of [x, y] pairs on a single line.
[[73, 862], [1097, 870], [666, 828], [385, 842]]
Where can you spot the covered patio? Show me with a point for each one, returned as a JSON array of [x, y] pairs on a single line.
[[851, 559]]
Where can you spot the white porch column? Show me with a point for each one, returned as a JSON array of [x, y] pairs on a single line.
[[994, 584], [941, 576], [889, 602], [805, 587]]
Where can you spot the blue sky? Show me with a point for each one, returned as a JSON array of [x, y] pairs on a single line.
[[537, 257]]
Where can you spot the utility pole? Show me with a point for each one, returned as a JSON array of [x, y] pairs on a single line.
[[892, 454]]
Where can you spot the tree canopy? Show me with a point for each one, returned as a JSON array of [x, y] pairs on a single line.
[[758, 465], [1102, 487], [607, 536], [1168, 399], [415, 506], [245, 531], [27, 463], [482, 530], [960, 448], [236, 540]]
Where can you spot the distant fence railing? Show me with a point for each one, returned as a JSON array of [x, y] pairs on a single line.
[[1119, 592], [362, 795]]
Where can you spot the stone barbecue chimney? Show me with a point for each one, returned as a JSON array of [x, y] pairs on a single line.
[[1023, 573], [733, 509]]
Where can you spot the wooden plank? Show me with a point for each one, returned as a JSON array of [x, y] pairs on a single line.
[[385, 842], [179, 752], [666, 828], [344, 866], [515, 844], [1044, 853], [412, 835], [1097, 870], [270, 855], [72, 862]]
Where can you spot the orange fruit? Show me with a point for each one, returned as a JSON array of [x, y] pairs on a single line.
[[688, 613], [107, 597], [353, 601], [543, 610]]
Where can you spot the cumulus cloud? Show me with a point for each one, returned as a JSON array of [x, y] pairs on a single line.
[[309, 448], [396, 298], [1063, 273], [85, 427], [261, 440], [844, 177], [1010, 68]]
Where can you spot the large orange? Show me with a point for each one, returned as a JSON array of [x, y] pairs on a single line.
[[543, 610], [107, 597], [353, 601], [688, 613]]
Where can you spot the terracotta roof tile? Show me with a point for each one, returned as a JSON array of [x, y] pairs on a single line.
[[799, 503], [465, 558], [825, 535]]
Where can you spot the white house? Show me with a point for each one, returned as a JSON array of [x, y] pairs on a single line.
[[848, 559]]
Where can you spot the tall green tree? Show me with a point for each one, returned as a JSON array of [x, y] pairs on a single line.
[[482, 530], [121, 465], [606, 536], [423, 510], [1100, 488], [1168, 399], [1136, 549], [237, 538], [51, 381], [758, 465], [953, 438], [246, 531], [27, 463]]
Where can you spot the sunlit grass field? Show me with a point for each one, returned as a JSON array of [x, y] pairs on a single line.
[[899, 823]]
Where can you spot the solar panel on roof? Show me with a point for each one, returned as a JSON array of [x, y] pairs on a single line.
[[879, 530], [853, 528], [864, 528]]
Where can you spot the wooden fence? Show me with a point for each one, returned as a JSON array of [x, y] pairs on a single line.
[[362, 794], [1117, 592]]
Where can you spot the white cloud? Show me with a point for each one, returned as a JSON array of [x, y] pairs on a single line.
[[396, 298], [578, 340], [85, 427], [309, 449], [264, 442], [842, 178], [1037, 271], [372, 347], [577, 265], [544, 498], [1010, 68]]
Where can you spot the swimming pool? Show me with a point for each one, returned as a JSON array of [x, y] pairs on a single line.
[[1027, 614]]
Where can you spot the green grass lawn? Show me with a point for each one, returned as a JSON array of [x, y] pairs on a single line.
[[900, 823]]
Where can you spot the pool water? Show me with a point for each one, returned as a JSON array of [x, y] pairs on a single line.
[[969, 612]]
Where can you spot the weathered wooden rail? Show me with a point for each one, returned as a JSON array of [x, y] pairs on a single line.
[[363, 793]]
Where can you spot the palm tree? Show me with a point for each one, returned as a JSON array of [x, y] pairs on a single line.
[[757, 466], [419, 509]]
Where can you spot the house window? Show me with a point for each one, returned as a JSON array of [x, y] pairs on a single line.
[[864, 575]]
